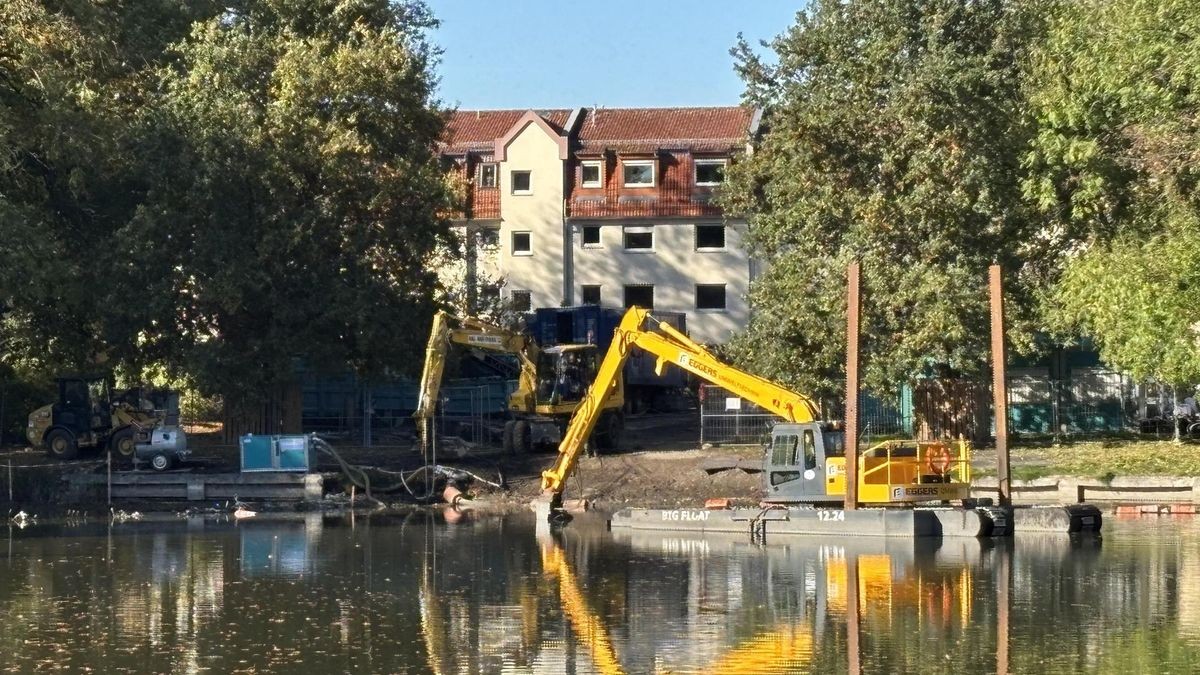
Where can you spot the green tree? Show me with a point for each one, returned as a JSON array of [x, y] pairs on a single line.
[[221, 191], [301, 199], [1116, 88], [75, 77], [895, 133]]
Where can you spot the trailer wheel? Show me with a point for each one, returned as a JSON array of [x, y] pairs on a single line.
[[160, 462], [60, 444], [522, 438], [506, 438], [122, 442]]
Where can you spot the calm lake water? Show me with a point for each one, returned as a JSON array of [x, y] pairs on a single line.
[[416, 594]]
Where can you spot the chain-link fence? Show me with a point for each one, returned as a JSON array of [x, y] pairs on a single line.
[[1092, 401]]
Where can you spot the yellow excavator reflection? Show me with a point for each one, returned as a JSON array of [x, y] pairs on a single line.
[[940, 591], [787, 649], [589, 627]]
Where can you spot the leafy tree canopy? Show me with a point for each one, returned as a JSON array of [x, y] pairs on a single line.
[[1117, 157], [255, 187], [895, 134]]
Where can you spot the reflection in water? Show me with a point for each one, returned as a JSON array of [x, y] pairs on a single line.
[[416, 594]]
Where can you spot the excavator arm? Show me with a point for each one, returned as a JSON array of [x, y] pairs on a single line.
[[670, 346], [471, 332]]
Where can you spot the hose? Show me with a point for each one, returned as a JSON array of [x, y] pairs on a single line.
[[358, 475]]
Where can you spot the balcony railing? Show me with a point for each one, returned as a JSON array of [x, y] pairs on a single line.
[[665, 201]]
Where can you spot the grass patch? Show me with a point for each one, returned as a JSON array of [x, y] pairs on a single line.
[[1019, 471], [1106, 459]]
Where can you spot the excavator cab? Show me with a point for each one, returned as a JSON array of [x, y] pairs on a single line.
[[564, 374], [797, 461]]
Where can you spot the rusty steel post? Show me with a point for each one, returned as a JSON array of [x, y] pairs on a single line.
[[999, 385], [853, 310]]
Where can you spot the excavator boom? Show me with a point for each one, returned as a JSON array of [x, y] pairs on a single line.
[[471, 332], [670, 346]]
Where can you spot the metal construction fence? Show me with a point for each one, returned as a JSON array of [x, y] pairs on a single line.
[[1091, 402], [352, 413], [725, 418]]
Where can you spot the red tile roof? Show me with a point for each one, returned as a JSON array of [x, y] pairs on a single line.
[[649, 128], [478, 129]]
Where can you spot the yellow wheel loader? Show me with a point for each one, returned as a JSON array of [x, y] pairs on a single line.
[[89, 414]]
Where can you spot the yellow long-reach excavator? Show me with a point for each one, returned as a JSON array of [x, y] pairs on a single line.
[[550, 385], [806, 459]]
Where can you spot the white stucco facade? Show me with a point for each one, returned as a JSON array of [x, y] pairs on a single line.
[[538, 212], [674, 267]]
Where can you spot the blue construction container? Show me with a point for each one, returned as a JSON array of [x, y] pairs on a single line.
[[592, 324], [276, 453]]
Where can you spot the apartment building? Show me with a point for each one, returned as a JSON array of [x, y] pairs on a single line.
[[604, 206]]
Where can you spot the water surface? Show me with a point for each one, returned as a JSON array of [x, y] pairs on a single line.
[[416, 594]]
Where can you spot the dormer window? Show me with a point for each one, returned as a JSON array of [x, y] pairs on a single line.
[[488, 175], [710, 172], [638, 173], [591, 174]]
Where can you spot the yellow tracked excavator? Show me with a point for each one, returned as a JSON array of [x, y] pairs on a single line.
[[805, 461]]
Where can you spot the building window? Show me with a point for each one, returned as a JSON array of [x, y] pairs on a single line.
[[521, 301], [638, 238], [522, 183], [591, 236], [522, 243], [488, 175], [489, 238], [489, 294], [710, 172], [639, 173], [641, 295], [710, 297], [590, 175], [710, 237], [591, 295]]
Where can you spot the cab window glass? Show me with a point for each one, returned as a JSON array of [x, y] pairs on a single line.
[[835, 443], [75, 394], [779, 451], [810, 450]]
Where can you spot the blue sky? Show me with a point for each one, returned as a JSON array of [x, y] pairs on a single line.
[[614, 53]]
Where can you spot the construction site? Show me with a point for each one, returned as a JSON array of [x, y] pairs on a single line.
[[628, 407]]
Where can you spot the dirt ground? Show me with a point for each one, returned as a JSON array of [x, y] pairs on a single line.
[[660, 464]]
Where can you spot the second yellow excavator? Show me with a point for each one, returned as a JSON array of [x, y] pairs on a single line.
[[805, 461], [550, 385]]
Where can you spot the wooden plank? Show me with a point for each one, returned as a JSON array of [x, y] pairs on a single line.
[[1082, 490], [150, 491], [1027, 488], [272, 492], [250, 478]]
